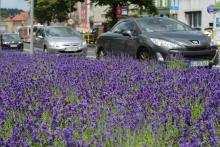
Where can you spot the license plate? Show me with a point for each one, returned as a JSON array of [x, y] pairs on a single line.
[[14, 45], [70, 49], [199, 63]]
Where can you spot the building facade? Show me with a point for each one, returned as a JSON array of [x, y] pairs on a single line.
[[89, 16], [195, 14], [13, 23], [167, 8]]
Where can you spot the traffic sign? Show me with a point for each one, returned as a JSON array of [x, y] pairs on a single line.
[[124, 10], [70, 21], [211, 9], [176, 8]]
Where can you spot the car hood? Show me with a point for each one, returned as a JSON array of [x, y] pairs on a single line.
[[12, 40], [64, 39], [183, 38]]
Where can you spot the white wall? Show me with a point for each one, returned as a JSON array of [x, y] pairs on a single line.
[[196, 5]]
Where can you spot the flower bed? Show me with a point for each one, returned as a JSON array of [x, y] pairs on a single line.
[[68, 101]]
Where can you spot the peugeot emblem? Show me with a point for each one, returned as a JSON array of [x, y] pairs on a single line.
[[195, 42]]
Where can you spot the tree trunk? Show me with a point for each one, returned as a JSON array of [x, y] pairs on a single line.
[[114, 8], [48, 23], [141, 10]]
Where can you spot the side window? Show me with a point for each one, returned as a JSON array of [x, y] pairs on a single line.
[[39, 32], [119, 28], [43, 34], [131, 26]]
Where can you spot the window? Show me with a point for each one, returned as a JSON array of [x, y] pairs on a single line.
[[194, 19], [124, 26], [119, 28], [161, 24], [131, 26], [39, 32], [163, 3]]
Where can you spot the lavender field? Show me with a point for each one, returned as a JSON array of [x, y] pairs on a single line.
[[50, 100]]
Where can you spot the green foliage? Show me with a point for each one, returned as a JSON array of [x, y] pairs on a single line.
[[197, 110], [54, 10], [6, 12], [144, 5], [176, 64]]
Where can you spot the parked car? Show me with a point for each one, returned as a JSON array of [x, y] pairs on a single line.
[[11, 41], [60, 39], [159, 38]]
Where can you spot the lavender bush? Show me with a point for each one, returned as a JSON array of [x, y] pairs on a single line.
[[50, 100]]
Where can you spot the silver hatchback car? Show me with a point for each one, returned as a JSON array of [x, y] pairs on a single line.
[[60, 39]]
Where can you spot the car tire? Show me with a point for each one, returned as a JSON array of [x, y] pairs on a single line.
[[101, 54], [144, 54]]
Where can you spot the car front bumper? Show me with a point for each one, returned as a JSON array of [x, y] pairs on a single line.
[[206, 57], [12, 46], [77, 52]]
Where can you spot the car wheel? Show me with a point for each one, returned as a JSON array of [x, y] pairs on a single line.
[[101, 54], [143, 54]]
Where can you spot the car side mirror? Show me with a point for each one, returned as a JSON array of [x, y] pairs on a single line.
[[127, 33]]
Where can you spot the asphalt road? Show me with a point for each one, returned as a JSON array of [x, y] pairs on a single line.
[[92, 52]]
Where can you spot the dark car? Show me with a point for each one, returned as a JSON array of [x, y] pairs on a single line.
[[11, 41], [159, 38]]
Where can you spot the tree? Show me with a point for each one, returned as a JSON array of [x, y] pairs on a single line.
[[112, 7], [47, 11], [144, 5]]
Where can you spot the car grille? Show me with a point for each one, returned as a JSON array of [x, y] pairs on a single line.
[[207, 54], [71, 45], [78, 51]]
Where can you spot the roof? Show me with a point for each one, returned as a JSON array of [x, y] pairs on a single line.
[[9, 19], [21, 17]]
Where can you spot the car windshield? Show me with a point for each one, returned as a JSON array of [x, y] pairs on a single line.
[[161, 24], [10, 37], [61, 32]]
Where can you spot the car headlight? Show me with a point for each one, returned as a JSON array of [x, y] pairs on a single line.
[[212, 43], [54, 44], [163, 43], [5, 42]]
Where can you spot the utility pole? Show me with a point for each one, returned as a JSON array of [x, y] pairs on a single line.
[[32, 25], [0, 16], [31, 4]]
